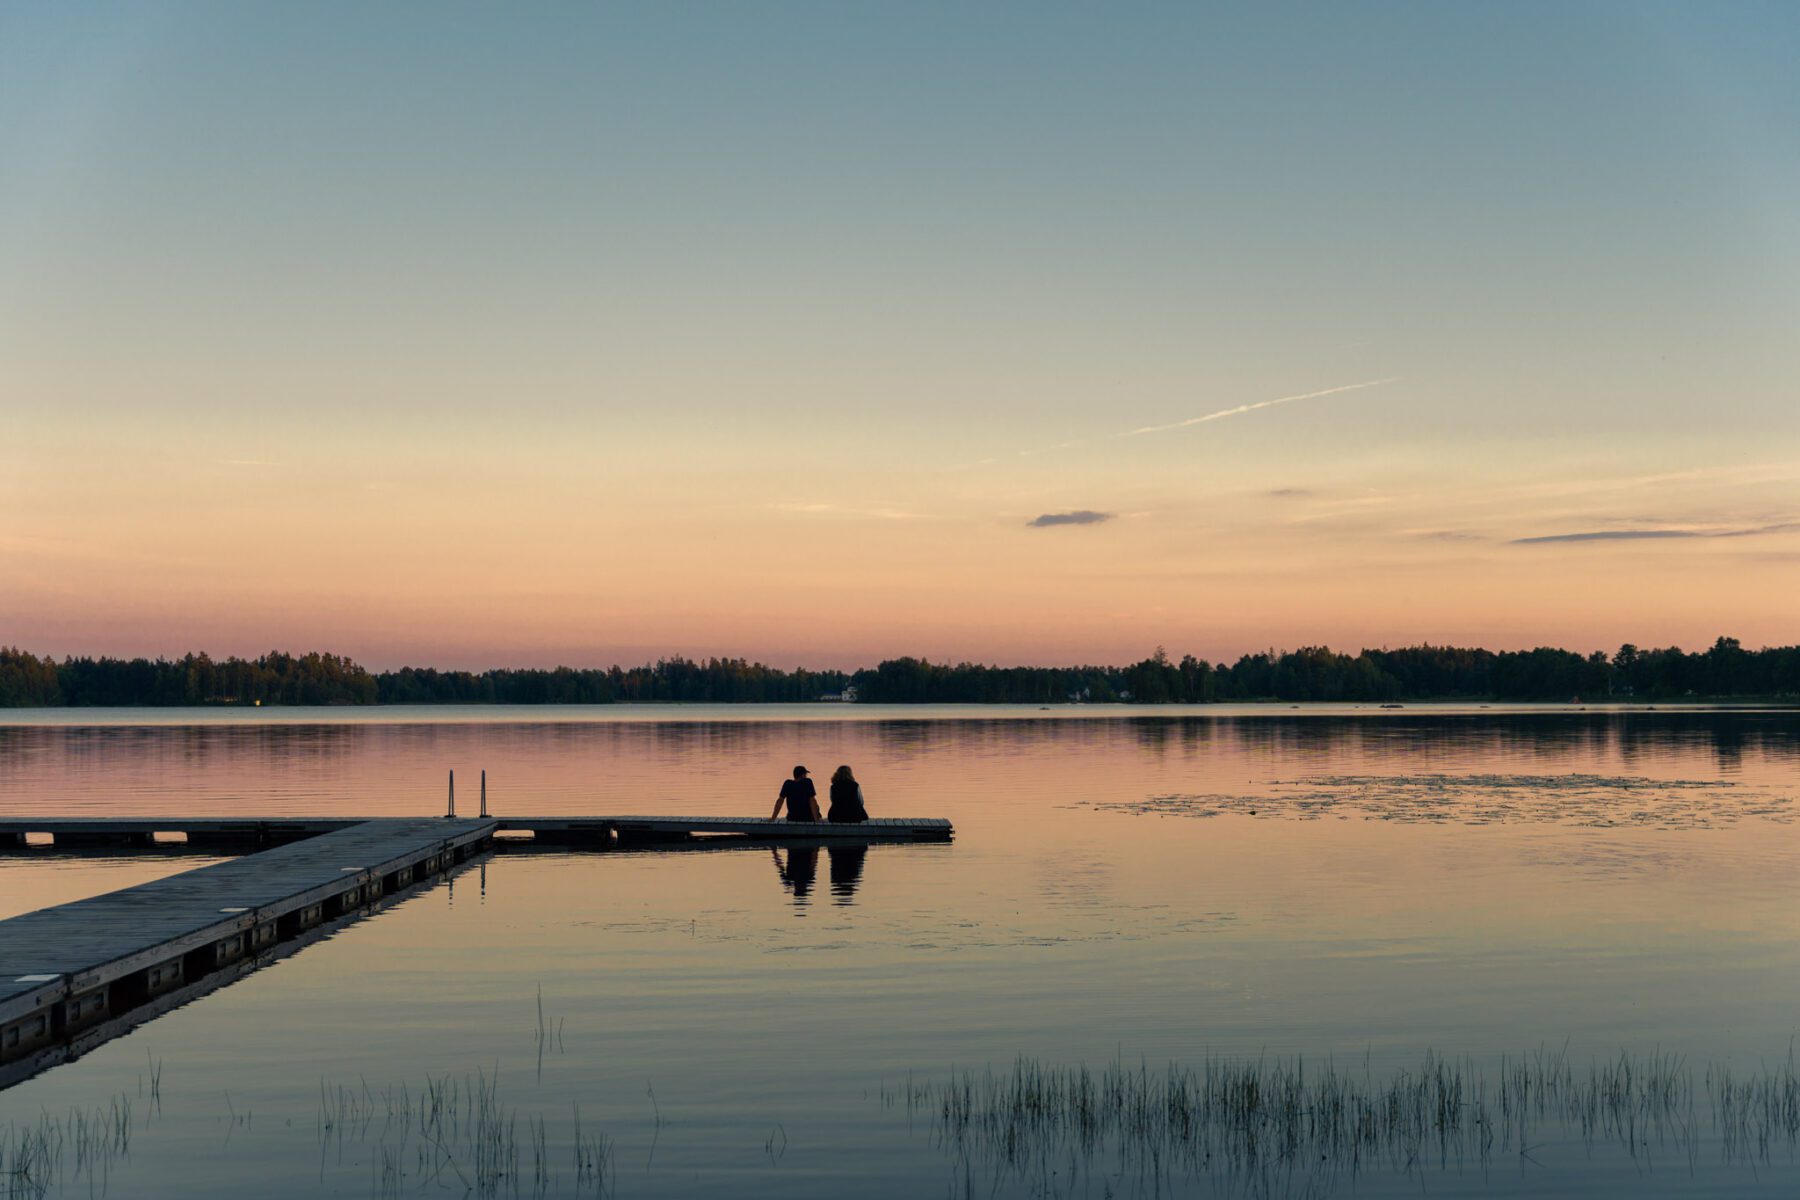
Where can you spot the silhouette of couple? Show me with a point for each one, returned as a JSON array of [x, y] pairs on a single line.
[[801, 869], [802, 798]]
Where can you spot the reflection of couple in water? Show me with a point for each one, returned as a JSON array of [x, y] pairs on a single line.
[[802, 866], [801, 870]]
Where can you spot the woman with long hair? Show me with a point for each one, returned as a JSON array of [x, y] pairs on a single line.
[[846, 798]]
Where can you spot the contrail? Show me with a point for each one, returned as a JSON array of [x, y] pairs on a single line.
[[1244, 408]]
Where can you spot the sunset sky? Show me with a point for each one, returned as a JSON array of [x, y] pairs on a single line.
[[478, 335]]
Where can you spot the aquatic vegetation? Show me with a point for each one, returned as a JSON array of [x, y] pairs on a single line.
[[152, 1078], [549, 1033], [457, 1132], [74, 1150], [1277, 1126], [1579, 800], [593, 1159]]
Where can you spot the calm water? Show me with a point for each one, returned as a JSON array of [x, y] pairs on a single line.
[[1125, 888]]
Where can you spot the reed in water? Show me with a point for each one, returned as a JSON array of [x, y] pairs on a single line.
[[1267, 1125]]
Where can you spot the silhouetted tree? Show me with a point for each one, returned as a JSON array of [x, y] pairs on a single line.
[[1309, 673]]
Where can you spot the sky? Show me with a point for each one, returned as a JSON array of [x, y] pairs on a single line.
[[475, 335]]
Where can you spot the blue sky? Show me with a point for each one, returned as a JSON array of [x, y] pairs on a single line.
[[406, 330]]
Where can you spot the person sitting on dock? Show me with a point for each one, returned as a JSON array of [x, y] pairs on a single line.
[[800, 796], [846, 798]]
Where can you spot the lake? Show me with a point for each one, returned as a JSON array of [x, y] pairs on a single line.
[[1333, 950]]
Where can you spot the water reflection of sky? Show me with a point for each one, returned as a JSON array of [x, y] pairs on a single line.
[[784, 988]]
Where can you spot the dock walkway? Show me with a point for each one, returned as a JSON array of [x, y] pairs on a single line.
[[66, 968], [92, 832], [654, 829]]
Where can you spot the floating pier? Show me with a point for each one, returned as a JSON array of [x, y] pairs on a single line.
[[98, 832], [651, 830], [66, 969]]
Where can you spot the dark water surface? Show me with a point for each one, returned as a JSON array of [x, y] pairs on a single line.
[[1224, 890]]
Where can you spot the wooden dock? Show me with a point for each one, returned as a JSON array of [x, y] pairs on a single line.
[[77, 974], [224, 833], [67, 968], [646, 830]]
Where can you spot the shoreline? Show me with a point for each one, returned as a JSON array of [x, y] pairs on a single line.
[[681, 712]]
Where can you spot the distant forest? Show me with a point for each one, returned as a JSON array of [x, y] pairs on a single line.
[[1725, 670]]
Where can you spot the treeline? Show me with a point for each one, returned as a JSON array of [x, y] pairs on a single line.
[[275, 678], [1724, 670], [1318, 673], [714, 681]]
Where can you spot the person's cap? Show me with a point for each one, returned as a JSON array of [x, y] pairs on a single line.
[[800, 771]]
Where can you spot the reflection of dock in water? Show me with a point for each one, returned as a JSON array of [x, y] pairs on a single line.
[[76, 975]]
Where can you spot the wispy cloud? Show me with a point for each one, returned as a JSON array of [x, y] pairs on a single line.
[[1777, 527], [1441, 535], [966, 465], [1346, 506], [1252, 407], [1738, 475], [1608, 535], [1639, 535], [1048, 449], [1288, 493], [840, 510], [1081, 516], [1051, 448]]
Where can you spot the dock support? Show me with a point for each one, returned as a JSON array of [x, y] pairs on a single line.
[[30, 1032], [452, 811], [577, 833], [138, 838]]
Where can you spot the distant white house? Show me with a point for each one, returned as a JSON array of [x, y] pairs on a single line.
[[847, 696]]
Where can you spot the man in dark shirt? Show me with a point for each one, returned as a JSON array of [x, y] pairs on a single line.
[[800, 796]]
